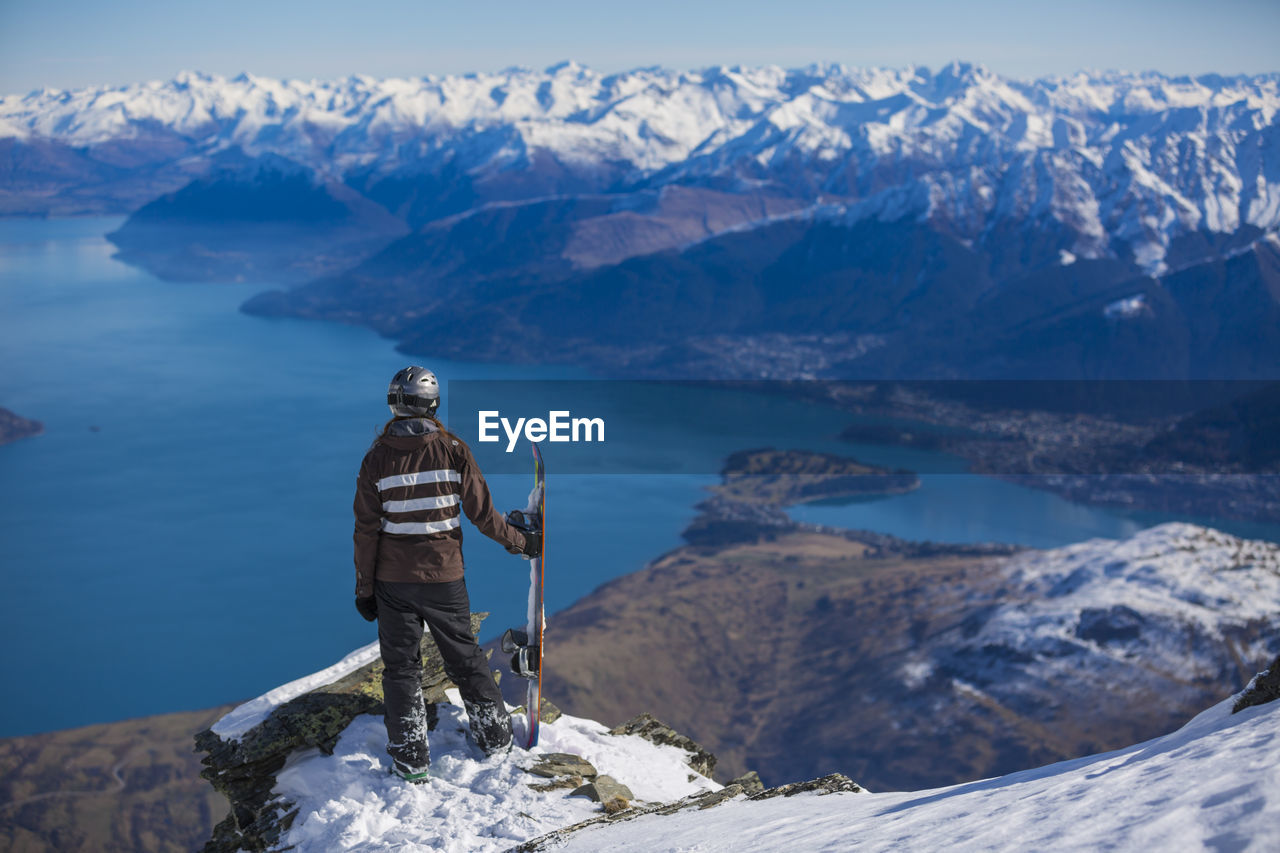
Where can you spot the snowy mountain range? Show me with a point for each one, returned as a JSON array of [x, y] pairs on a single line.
[[1121, 163]]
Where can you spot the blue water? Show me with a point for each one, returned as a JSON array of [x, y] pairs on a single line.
[[180, 536]]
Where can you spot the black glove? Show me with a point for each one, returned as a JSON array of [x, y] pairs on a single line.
[[532, 538], [368, 608]]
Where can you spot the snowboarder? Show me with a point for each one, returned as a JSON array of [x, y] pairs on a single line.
[[413, 483]]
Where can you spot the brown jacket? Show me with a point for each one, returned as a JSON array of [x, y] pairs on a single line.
[[408, 495]]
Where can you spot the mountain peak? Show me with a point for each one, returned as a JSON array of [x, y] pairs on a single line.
[[187, 79], [315, 748], [567, 67]]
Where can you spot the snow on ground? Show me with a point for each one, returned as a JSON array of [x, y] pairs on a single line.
[[349, 801], [1212, 785]]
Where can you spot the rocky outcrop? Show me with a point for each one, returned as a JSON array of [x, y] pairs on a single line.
[[612, 795], [1264, 688], [245, 769], [14, 427], [547, 712], [654, 730], [557, 764], [748, 782], [563, 770], [832, 783]]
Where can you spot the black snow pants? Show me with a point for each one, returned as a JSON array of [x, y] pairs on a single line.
[[446, 610]]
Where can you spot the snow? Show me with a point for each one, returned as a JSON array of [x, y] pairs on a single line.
[[1214, 784], [348, 801], [244, 717], [916, 673], [1123, 309]]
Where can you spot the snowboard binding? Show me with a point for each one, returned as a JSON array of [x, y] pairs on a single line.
[[524, 657], [523, 521]]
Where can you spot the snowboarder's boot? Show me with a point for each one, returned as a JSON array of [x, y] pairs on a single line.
[[418, 775], [411, 756], [490, 727]]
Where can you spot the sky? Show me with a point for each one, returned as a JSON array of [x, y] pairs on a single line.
[[76, 43]]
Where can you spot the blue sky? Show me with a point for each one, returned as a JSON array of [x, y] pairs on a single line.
[[70, 43]]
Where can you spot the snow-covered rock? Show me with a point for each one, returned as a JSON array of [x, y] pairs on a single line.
[[305, 766], [246, 716], [348, 801]]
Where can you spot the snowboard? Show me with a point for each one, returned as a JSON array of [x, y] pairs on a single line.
[[525, 647], [537, 577]]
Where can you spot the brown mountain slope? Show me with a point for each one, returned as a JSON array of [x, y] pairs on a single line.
[[806, 653], [129, 786]]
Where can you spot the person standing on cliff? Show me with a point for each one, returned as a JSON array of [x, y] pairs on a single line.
[[413, 483]]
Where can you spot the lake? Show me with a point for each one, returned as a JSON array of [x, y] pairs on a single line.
[[180, 536]]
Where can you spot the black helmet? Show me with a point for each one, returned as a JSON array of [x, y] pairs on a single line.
[[414, 393]]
